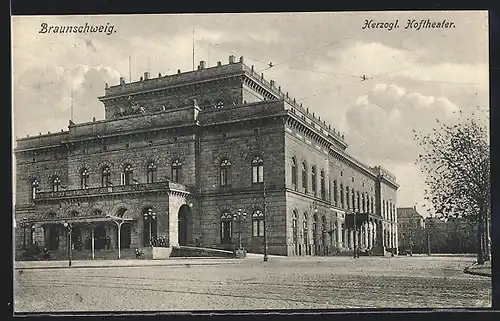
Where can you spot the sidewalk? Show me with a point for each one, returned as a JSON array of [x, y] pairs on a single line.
[[482, 270], [19, 265]]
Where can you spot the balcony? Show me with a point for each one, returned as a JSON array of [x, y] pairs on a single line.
[[115, 190]]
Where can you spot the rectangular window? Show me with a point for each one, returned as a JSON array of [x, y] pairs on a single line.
[[258, 227], [254, 174], [122, 178]]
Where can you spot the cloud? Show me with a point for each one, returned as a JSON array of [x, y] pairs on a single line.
[[384, 118], [42, 96]]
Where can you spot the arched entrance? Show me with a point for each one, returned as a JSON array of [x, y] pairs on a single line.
[[184, 224]]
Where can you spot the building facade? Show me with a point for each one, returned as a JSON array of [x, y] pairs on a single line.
[[178, 156], [411, 230]]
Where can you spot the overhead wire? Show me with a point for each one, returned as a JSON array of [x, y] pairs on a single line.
[[363, 79], [306, 53]]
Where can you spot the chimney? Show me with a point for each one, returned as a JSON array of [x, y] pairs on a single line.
[[106, 86], [202, 65], [159, 75], [272, 83], [122, 80], [219, 64], [93, 118], [146, 75], [231, 59], [141, 79], [178, 71], [241, 59], [415, 207]]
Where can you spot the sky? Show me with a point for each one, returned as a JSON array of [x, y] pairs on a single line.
[[413, 77]]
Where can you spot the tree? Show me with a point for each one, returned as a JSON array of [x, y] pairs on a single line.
[[456, 161]]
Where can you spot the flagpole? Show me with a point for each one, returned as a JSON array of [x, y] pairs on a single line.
[[193, 49], [71, 106]]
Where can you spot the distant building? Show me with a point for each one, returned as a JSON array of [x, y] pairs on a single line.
[[178, 156], [411, 230]]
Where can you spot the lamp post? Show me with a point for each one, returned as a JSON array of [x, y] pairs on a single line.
[[150, 216], [239, 217], [33, 234], [24, 223], [119, 222], [69, 228], [314, 210], [355, 246]]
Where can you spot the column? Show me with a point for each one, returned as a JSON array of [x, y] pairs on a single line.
[[390, 235], [344, 240], [367, 236], [339, 234], [351, 238], [372, 236]]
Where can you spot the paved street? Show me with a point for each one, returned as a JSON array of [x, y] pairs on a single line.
[[281, 283]]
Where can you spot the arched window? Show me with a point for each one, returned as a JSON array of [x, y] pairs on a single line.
[[342, 195], [294, 172], [304, 176], [372, 203], [127, 175], [151, 173], [358, 198], [84, 177], [335, 193], [225, 173], [258, 223], [56, 183], [105, 176], [226, 228], [322, 184], [304, 223], [176, 171], [34, 188], [294, 227], [313, 180], [257, 170]]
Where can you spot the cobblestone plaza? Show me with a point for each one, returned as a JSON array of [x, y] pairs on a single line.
[[281, 283]]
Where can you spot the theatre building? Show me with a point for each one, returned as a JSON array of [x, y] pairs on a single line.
[[203, 158]]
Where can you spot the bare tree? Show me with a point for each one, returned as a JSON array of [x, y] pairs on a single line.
[[456, 161]]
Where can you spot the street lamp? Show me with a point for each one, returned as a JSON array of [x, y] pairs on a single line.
[[24, 223], [356, 254], [69, 228], [119, 222], [33, 234], [150, 216], [239, 217]]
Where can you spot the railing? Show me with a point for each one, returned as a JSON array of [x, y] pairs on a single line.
[[134, 188]]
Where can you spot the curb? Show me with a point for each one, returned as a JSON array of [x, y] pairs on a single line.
[[468, 271]]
